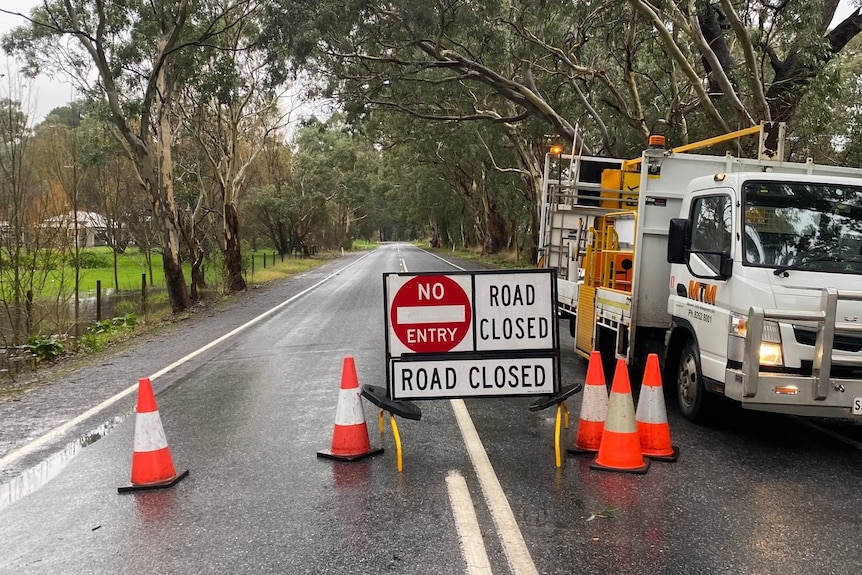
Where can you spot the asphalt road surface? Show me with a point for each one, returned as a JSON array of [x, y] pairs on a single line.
[[248, 396]]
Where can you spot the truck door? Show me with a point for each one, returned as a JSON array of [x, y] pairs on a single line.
[[705, 307]]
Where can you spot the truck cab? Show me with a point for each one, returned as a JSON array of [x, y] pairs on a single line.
[[767, 241]]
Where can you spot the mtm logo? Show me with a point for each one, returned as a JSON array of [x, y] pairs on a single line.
[[702, 292]]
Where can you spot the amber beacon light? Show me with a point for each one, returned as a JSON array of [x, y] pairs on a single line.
[[656, 141]]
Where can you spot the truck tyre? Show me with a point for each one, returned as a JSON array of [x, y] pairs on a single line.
[[692, 396]]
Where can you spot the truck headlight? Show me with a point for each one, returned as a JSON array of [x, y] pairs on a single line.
[[770, 354], [770, 347]]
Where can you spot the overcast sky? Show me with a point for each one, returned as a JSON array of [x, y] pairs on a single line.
[[44, 94], [47, 94]]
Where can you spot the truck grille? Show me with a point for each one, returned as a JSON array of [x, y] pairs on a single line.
[[849, 343]]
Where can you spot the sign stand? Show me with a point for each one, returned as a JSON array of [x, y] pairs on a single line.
[[558, 400], [406, 409]]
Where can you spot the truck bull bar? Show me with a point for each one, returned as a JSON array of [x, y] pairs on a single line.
[[827, 328]]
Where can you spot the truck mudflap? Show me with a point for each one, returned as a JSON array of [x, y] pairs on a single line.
[[818, 394]]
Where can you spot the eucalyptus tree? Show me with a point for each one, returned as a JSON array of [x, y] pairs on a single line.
[[18, 185], [579, 67], [288, 201], [65, 169], [129, 53], [468, 160], [291, 220], [231, 110], [269, 194], [109, 186], [334, 164], [198, 222]]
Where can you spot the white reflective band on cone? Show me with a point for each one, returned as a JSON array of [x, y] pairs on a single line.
[[651, 405], [595, 403], [349, 411], [620, 415], [149, 435]]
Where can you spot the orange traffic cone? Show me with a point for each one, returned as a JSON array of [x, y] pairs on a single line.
[[350, 436], [651, 416], [621, 447], [152, 467], [594, 409]]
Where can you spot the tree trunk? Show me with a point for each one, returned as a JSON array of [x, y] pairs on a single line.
[[495, 225], [435, 242], [488, 218], [161, 186], [116, 273], [175, 281], [530, 164], [232, 251], [196, 254], [282, 239]]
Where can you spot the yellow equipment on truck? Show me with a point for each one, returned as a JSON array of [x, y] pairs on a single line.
[[742, 274]]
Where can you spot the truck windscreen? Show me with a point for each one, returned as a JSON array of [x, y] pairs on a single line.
[[803, 225]]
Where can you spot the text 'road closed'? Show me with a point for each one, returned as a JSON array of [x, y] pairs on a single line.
[[476, 378], [514, 312]]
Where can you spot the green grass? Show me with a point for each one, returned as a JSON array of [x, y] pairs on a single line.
[[501, 260], [132, 264], [359, 245], [280, 270]]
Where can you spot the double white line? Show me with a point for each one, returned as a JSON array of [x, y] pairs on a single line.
[[463, 510]]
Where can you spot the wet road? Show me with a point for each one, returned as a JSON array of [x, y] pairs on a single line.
[[752, 494]]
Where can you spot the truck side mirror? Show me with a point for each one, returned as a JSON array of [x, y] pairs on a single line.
[[678, 241], [725, 266]]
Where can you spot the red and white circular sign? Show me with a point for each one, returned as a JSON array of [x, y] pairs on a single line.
[[431, 314]]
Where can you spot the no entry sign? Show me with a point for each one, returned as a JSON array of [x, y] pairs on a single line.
[[431, 314]]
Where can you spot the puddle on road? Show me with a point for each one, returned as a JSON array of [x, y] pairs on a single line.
[[37, 476]]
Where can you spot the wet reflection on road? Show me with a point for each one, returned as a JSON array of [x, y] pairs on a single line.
[[37, 476]]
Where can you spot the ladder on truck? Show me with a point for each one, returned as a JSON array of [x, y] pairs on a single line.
[[608, 264]]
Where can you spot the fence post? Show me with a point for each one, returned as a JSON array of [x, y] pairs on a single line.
[[144, 296], [98, 300], [264, 260], [29, 312]]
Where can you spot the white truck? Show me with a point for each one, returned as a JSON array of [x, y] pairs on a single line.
[[744, 275]]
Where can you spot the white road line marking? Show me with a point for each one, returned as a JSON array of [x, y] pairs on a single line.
[[61, 429], [472, 544], [514, 545], [443, 260]]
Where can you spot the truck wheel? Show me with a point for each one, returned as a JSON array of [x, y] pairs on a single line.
[[690, 391]]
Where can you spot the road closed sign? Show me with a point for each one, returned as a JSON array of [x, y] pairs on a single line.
[[514, 311], [471, 334], [474, 378]]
